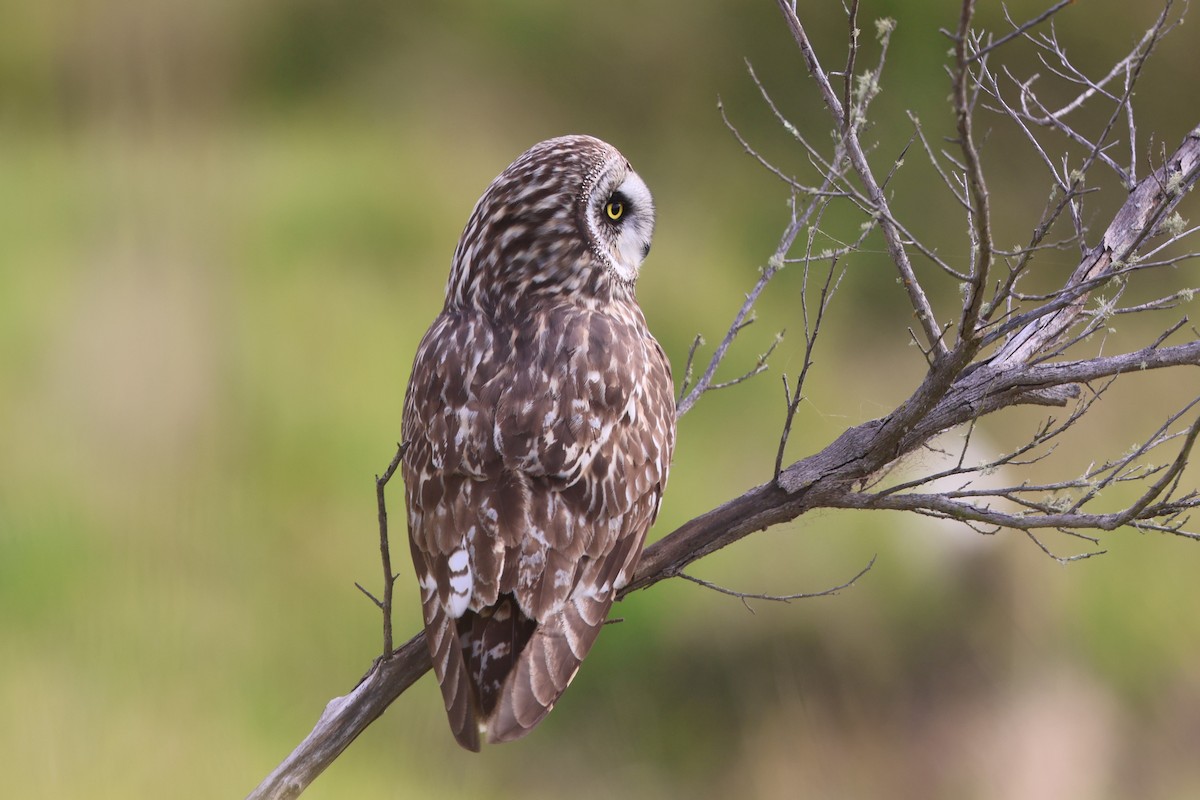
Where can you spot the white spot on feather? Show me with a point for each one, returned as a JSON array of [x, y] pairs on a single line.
[[466, 423], [460, 582]]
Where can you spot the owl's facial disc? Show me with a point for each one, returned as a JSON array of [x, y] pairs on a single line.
[[622, 223]]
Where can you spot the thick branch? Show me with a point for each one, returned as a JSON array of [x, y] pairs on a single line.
[[1150, 202], [344, 719]]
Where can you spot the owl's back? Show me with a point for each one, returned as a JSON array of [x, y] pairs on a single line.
[[537, 452]]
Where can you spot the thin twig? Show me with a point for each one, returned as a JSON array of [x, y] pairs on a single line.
[[879, 202], [389, 577], [777, 598], [1020, 29], [848, 76], [977, 191], [793, 397]]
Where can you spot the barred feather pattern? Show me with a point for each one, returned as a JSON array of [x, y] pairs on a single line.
[[539, 421]]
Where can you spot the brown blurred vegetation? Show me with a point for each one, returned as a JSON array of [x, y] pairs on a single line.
[[223, 229]]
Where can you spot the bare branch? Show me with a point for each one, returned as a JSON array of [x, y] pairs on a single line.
[[378, 603], [794, 396], [1148, 204], [385, 556], [1138, 54], [760, 365], [980, 213], [1062, 559], [848, 75], [777, 262], [878, 200], [344, 718], [1020, 29], [937, 165], [739, 322], [778, 598], [687, 369]]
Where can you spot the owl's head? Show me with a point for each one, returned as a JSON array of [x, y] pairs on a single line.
[[568, 218]]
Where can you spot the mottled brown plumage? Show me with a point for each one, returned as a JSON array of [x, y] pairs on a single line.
[[540, 424]]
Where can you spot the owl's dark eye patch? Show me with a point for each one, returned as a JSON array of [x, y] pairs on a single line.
[[616, 207]]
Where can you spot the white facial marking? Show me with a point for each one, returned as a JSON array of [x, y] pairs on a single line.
[[633, 239]]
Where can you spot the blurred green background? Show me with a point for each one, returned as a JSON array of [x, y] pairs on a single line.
[[224, 228]]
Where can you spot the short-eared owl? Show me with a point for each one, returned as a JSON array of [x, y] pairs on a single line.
[[539, 424]]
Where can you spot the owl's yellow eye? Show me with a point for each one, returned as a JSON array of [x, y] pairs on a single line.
[[614, 209]]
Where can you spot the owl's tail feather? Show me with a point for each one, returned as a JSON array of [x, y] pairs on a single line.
[[451, 670], [492, 640], [545, 667]]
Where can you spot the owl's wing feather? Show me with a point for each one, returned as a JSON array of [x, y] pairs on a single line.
[[448, 664], [444, 456], [536, 464]]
